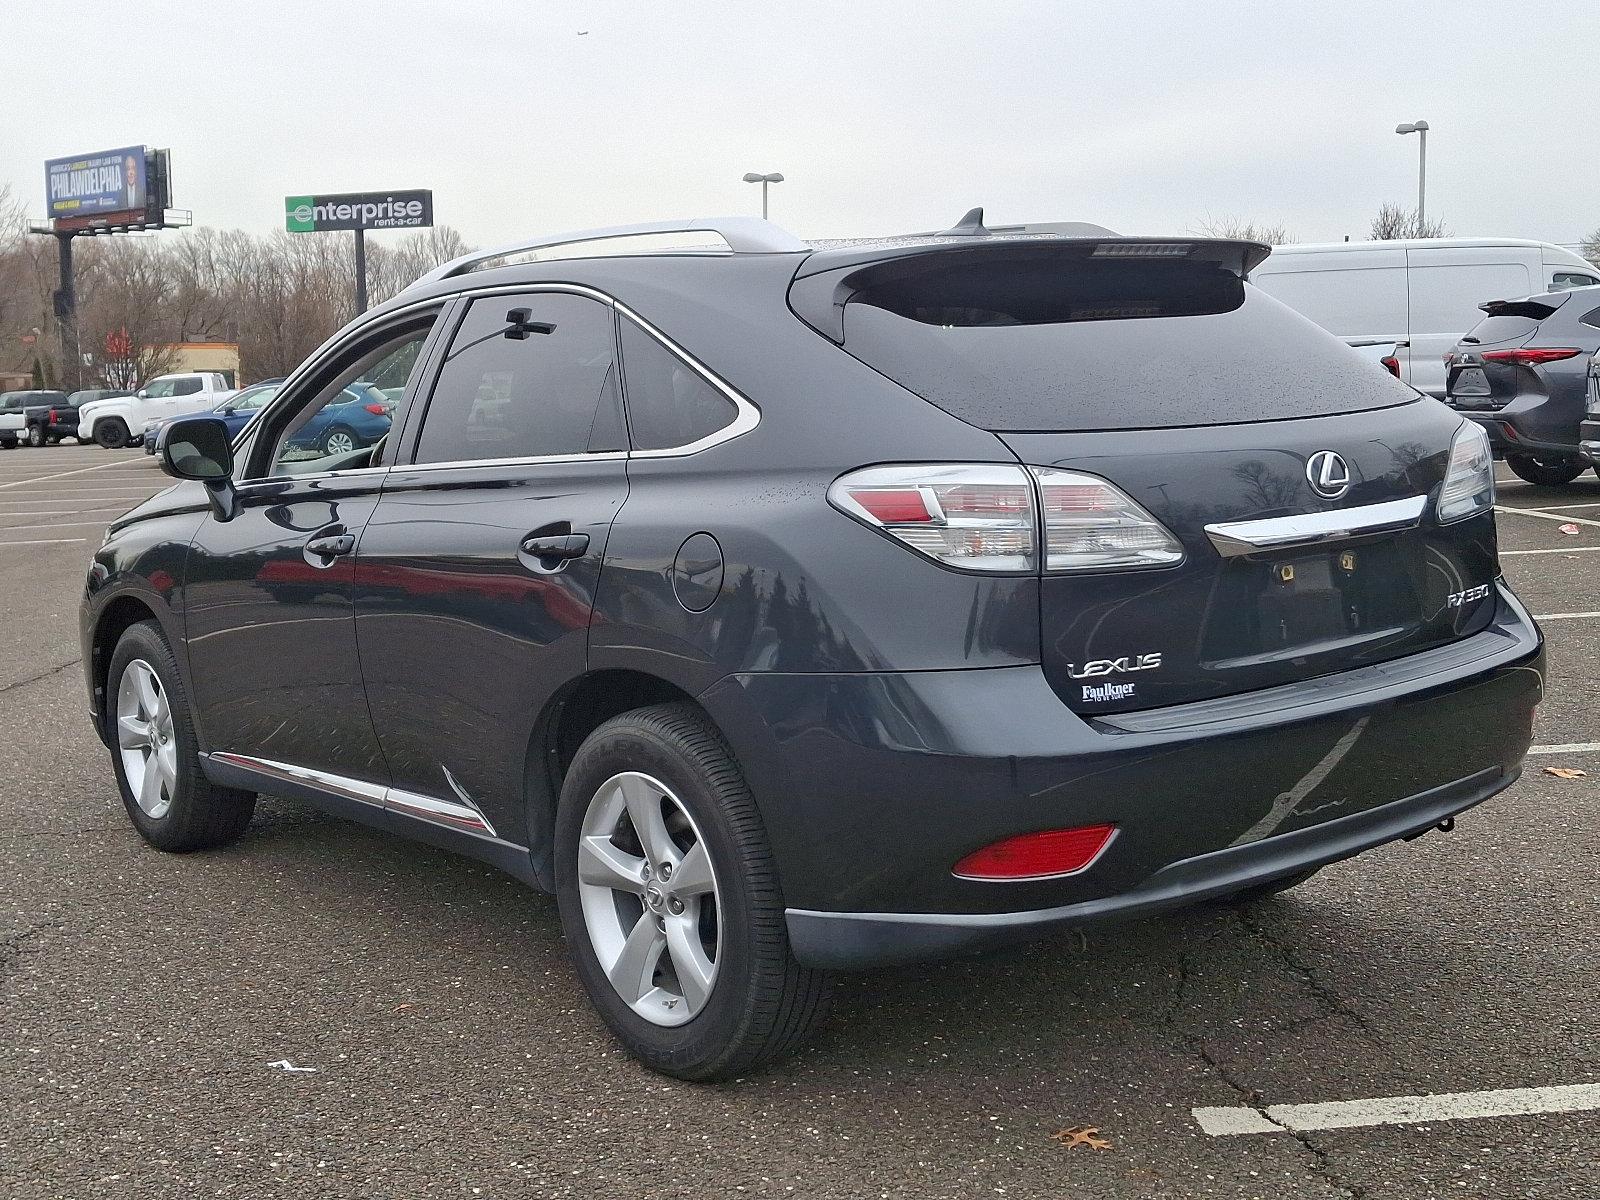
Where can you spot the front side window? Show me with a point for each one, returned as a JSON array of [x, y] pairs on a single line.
[[1562, 280], [344, 419], [527, 376], [670, 404], [160, 389]]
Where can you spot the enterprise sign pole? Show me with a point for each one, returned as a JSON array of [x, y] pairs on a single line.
[[358, 211]]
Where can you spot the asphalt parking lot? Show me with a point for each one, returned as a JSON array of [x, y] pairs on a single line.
[[153, 1004]]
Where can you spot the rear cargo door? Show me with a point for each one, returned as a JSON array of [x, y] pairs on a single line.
[[1299, 479]]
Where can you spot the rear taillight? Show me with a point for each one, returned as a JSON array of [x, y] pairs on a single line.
[[1047, 855], [52, 417], [1091, 525], [979, 516], [377, 410], [1469, 480], [1531, 355], [1391, 364], [987, 517]]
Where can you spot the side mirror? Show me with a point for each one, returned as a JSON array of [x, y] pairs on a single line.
[[142, 394], [201, 448]]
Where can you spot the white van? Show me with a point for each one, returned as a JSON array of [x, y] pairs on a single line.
[[1424, 292]]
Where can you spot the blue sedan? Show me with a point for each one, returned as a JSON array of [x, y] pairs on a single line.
[[357, 417], [234, 411]]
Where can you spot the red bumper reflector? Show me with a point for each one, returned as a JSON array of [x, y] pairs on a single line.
[[1044, 855]]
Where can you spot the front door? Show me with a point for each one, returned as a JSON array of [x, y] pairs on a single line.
[[477, 574], [270, 622]]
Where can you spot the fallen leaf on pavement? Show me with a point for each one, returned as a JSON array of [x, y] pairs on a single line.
[[1566, 772], [1083, 1135]]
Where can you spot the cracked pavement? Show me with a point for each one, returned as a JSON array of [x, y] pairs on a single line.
[[143, 996]]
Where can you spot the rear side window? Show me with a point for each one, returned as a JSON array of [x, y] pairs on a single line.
[[670, 404], [1591, 319], [1040, 342], [526, 376], [185, 387]]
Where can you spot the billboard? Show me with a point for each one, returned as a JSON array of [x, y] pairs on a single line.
[[87, 185], [358, 210]]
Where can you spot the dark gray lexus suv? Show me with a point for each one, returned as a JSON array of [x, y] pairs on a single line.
[[786, 608]]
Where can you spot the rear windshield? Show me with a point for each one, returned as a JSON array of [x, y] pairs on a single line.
[[1506, 328], [1044, 343]]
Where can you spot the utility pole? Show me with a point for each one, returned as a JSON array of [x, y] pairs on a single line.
[[66, 313], [361, 270]]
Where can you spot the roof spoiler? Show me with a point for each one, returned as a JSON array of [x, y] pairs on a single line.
[[1536, 308], [827, 280]]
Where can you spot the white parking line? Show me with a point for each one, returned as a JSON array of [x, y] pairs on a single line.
[[43, 542], [1548, 516], [63, 474], [57, 512], [1399, 1110], [57, 525], [1563, 616], [1556, 550], [1588, 504], [1565, 748]]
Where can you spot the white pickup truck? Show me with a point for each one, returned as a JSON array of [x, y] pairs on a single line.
[[12, 427], [120, 421]]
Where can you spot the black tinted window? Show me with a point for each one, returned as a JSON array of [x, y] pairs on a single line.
[[1030, 340], [669, 403], [1591, 319], [185, 387], [526, 376]]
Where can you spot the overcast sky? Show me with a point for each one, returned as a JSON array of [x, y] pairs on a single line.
[[885, 117]]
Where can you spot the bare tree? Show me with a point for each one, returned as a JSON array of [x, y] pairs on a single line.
[[1393, 223], [1591, 248], [1240, 230]]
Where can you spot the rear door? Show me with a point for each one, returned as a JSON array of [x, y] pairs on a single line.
[[1298, 480], [476, 576]]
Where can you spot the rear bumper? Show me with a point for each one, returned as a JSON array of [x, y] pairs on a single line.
[[851, 940], [872, 785], [1507, 436], [1589, 441]]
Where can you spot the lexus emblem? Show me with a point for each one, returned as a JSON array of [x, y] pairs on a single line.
[[1327, 474]]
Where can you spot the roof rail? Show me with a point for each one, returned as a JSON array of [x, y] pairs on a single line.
[[744, 235]]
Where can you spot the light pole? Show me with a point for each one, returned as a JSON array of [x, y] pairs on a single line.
[[763, 180], [1420, 128]]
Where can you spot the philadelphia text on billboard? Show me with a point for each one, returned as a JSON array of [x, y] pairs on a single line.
[[358, 210], [108, 181]]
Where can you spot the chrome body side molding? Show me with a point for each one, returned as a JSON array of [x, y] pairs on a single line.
[[462, 815], [1233, 539]]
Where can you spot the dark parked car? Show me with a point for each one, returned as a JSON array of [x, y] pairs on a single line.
[[234, 411], [1589, 431], [1521, 373], [51, 420], [788, 609], [22, 404]]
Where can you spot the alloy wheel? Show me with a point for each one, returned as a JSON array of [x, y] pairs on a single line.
[[649, 895], [146, 740], [339, 442]]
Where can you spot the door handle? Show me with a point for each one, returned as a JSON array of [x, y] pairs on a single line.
[[331, 546], [559, 546]]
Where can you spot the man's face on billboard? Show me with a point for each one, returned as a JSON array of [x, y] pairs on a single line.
[[130, 167]]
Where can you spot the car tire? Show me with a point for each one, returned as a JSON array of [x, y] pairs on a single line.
[[755, 1003], [36, 435], [1272, 887], [1545, 472], [333, 441], [111, 434], [181, 809]]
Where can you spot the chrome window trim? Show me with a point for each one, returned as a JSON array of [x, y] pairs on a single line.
[[248, 485], [447, 814], [748, 414], [1233, 539]]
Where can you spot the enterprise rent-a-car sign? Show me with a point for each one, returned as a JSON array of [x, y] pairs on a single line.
[[108, 181], [358, 210]]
